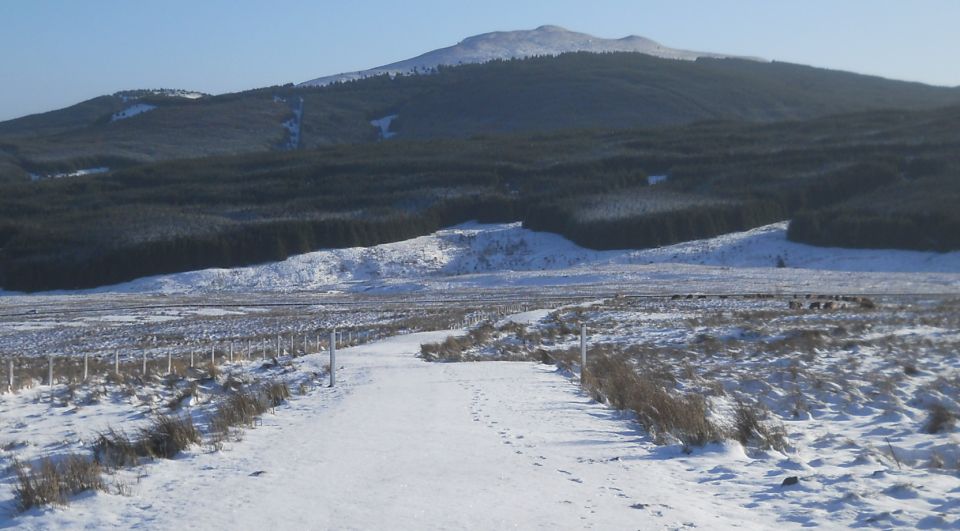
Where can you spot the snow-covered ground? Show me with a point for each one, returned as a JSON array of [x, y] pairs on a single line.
[[86, 171], [519, 445], [131, 111], [508, 444], [383, 126], [294, 124], [473, 256], [545, 40]]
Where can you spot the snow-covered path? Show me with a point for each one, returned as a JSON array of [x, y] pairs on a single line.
[[404, 444]]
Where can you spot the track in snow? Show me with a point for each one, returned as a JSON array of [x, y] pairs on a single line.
[[406, 444]]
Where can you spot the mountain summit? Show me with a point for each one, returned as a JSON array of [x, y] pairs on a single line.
[[545, 40]]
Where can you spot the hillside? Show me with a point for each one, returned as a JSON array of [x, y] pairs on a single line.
[[535, 95], [472, 255], [589, 186], [545, 40]]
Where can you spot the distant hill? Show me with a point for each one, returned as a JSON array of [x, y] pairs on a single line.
[[542, 41], [534, 95], [881, 178]]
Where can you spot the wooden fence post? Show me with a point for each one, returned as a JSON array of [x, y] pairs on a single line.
[[10, 376], [169, 362], [144, 368], [50, 373], [583, 353], [333, 358], [116, 362], [86, 365]]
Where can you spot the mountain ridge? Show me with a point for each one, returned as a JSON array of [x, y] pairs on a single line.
[[517, 44]]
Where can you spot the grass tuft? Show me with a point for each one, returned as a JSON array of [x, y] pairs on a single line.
[[53, 482]]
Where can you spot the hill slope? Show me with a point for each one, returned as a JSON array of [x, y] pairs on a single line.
[[589, 186], [545, 40], [472, 255], [535, 95]]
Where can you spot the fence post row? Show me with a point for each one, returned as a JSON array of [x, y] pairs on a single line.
[[583, 353], [333, 358]]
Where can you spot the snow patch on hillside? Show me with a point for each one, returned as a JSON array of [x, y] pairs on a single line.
[[542, 41], [383, 125], [497, 255], [294, 124], [131, 111], [86, 171]]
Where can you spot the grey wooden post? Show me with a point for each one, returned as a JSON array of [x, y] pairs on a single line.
[[144, 368], [278, 345], [10, 376], [304, 344], [333, 358], [583, 353], [116, 362], [169, 362], [192, 357], [231, 352], [50, 373], [213, 355], [86, 365], [318, 342]]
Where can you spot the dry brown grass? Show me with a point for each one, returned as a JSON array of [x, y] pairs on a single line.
[[243, 407], [164, 438], [751, 430], [53, 482], [663, 413], [941, 419]]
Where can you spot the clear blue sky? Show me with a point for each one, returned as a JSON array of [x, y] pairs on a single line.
[[55, 53]]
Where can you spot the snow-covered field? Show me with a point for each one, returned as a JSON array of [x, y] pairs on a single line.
[[518, 444], [510, 441]]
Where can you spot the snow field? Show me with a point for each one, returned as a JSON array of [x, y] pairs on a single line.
[[506, 256], [438, 445], [853, 392]]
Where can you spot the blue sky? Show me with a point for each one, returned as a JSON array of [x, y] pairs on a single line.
[[55, 53]]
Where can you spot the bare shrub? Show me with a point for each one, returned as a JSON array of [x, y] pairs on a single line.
[[167, 436], [750, 429], [941, 419], [115, 449], [244, 406], [276, 393], [52, 482], [663, 413], [182, 396]]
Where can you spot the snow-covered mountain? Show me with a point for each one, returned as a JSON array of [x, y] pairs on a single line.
[[545, 40]]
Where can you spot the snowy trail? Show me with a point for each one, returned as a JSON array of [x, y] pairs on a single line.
[[405, 444]]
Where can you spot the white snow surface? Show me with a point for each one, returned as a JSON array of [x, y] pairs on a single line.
[[476, 255], [383, 125], [131, 111], [79, 173], [545, 40], [403, 444]]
